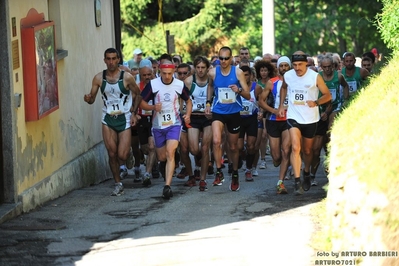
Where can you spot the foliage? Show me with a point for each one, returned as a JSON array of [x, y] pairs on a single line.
[[359, 154], [387, 22], [202, 27]]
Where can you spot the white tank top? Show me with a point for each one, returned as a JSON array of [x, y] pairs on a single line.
[[117, 99], [300, 90], [198, 96]]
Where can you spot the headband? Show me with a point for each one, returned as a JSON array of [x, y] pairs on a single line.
[[299, 58], [167, 66]]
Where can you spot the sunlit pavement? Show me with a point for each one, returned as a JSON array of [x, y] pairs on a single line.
[[253, 226]]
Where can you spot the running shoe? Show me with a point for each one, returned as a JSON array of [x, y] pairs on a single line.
[[313, 182], [190, 182], [248, 176], [276, 163], [298, 188], [281, 188], [219, 178], [255, 172], [137, 176], [235, 183], [289, 173], [162, 169], [122, 173], [167, 192], [197, 175], [225, 159], [262, 164], [183, 173], [130, 159], [147, 180], [155, 170], [306, 181], [118, 190], [202, 185]]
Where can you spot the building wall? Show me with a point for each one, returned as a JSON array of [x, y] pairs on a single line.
[[64, 150]]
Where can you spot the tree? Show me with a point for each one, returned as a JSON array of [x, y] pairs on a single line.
[[202, 27], [387, 23]]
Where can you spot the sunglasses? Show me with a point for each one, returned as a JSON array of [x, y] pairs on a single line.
[[221, 58], [182, 73]]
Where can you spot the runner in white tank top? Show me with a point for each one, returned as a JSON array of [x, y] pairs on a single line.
[[302, 86]]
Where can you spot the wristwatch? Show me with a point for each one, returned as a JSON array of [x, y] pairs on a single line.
[[239, 90]]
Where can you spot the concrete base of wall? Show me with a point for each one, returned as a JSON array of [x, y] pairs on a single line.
[[90, 168]]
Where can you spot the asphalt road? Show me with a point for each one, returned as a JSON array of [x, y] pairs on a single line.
[[253, 226]]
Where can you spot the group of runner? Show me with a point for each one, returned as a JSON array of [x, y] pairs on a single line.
[[229, 108]]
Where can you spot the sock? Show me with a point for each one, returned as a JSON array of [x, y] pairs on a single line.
[[235, 172], [297, 180], [218, 169], [306, 173], [122, 167]]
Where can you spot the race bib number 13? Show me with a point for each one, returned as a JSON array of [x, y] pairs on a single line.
[[166, 118]]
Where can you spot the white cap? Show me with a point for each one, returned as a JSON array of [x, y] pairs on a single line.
[[137, 51], [145, 63], [284, 59], [257, 58]]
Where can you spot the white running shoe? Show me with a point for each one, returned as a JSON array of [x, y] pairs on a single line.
[[262, 165], [255, 172], [118, 190]]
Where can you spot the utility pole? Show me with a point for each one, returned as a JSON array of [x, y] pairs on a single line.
[[170, 43], [268, 39]]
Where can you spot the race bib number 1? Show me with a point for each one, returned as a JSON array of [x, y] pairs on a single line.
[[226, 96]]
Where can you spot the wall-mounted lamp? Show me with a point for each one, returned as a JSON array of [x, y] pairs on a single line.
[[18, 97]]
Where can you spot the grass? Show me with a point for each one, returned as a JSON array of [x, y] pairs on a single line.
[[365, 138]]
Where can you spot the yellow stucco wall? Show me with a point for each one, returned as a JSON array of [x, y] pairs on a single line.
[[44, 146]]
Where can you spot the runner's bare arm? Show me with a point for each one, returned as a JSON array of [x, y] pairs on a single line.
[[326, 95], [245, 89], [95, 85], [283, 95], [210, 91]]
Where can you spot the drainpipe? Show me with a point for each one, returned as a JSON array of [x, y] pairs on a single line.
[[117, 27]]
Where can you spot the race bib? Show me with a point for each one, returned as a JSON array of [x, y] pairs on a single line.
[[333, 94], [184, 108], [299, 97], [114, 107], [352, 86], [247, 108], [166, 118], [144, 112], [199, 105], [226, 95]]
